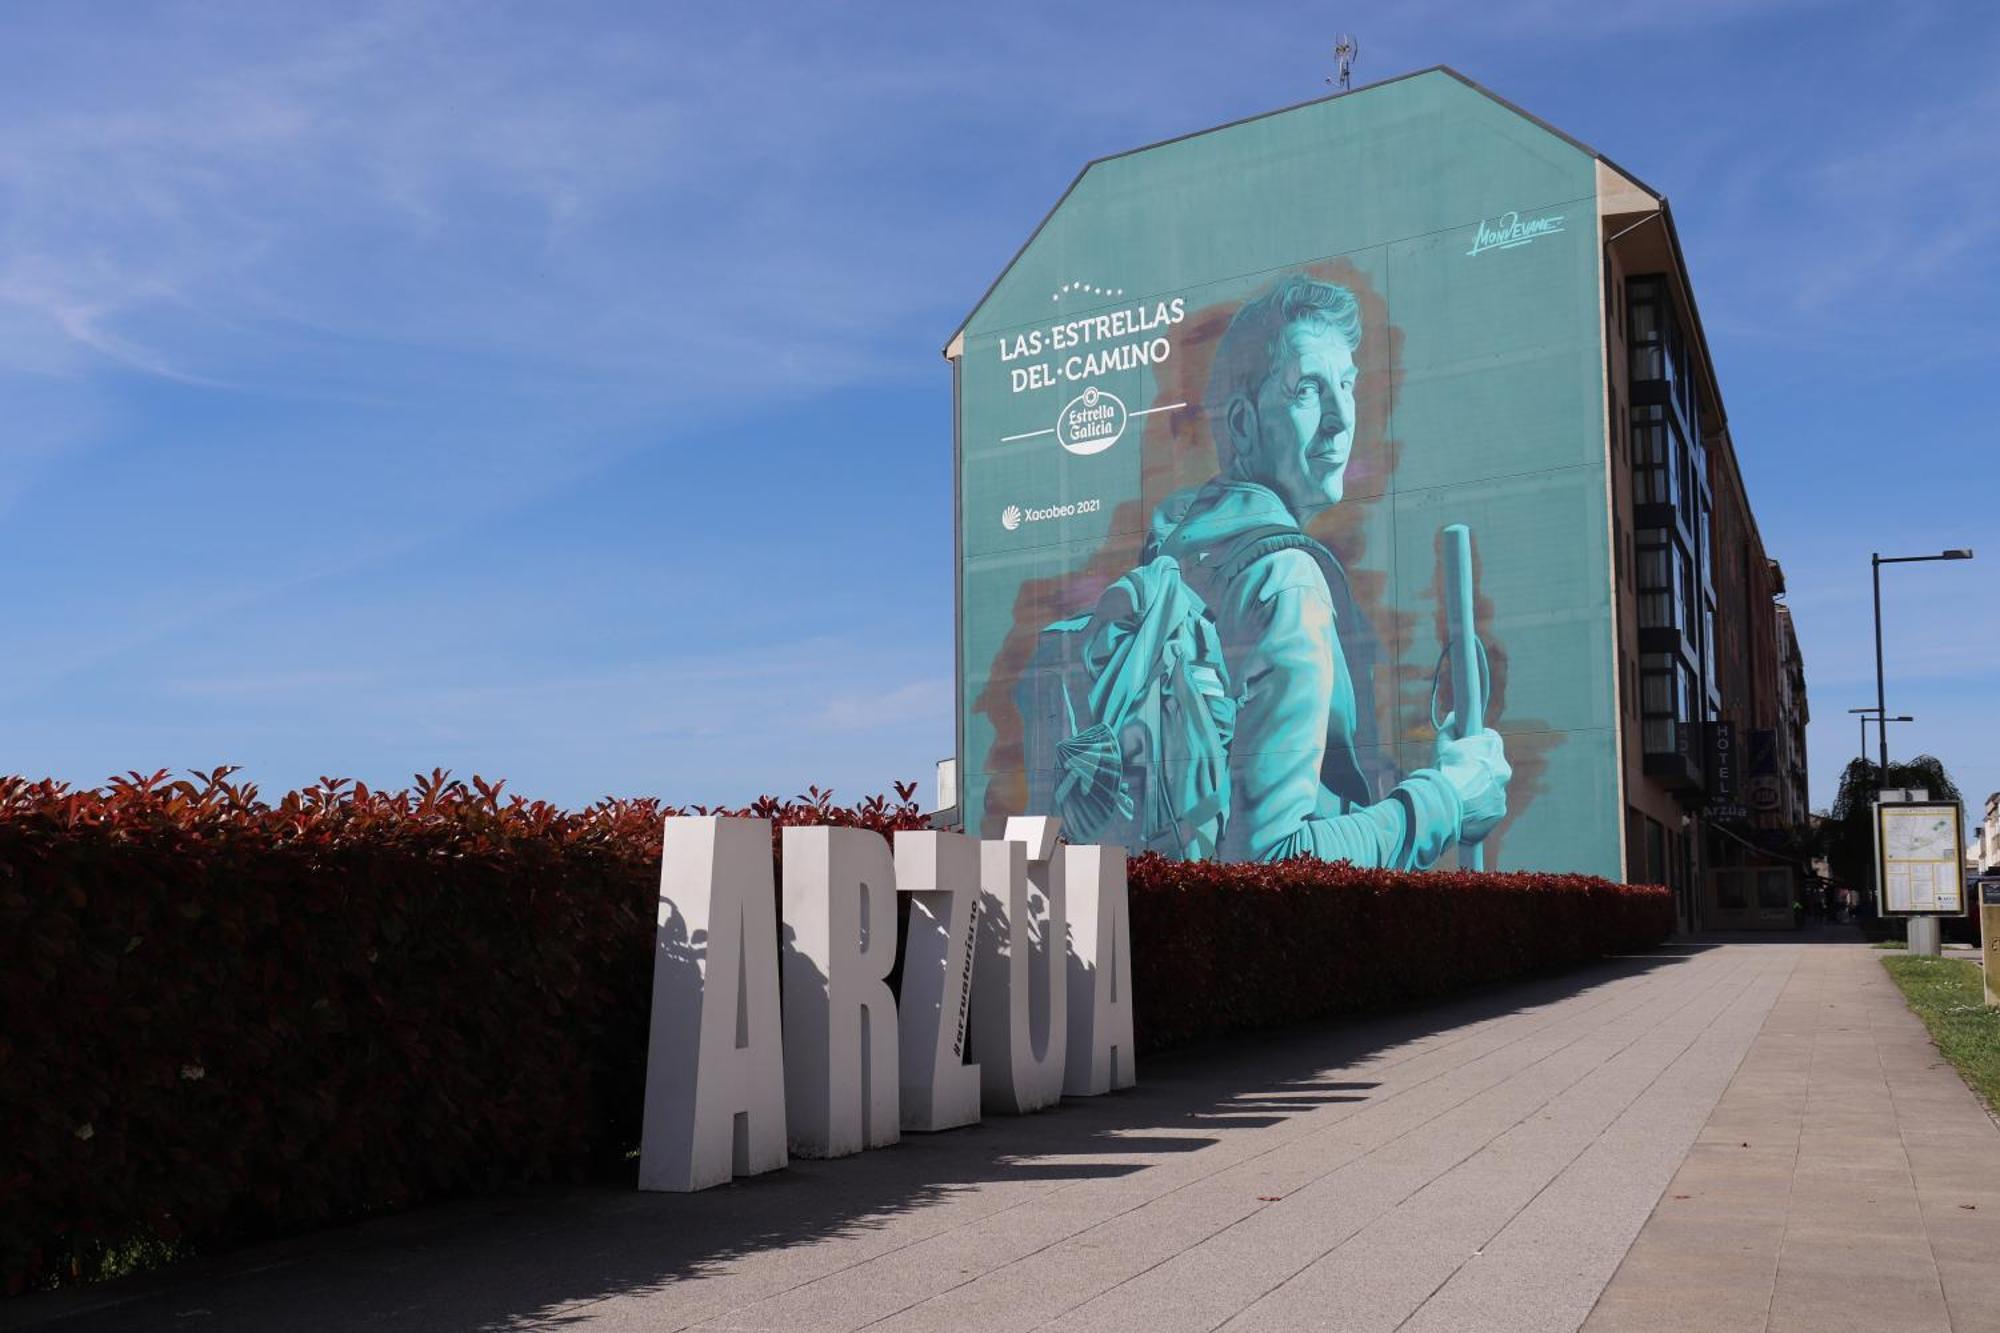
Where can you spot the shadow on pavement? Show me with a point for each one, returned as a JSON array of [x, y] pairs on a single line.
[[539, 1261], [1813, 932]]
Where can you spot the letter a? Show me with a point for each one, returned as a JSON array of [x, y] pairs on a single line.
[[715, 1067], [1020, 997], [940, 873], [840, 1020], [1100, 973]]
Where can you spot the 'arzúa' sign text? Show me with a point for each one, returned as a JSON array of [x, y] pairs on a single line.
[[1021, 944]]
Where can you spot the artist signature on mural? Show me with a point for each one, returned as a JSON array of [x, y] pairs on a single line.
[[1510, 229]]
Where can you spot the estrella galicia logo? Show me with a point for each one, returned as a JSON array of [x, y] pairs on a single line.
[[1091, 422], [1010, 517], [1510, 229]]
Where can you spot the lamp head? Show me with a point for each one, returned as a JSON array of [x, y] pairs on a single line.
[[1959, 553]]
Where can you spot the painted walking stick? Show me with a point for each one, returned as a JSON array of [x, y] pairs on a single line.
[[1468, 657]]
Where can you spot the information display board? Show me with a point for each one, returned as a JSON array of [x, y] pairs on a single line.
[[1919, 858]]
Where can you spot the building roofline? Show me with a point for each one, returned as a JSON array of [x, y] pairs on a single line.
[[1713, 380], [1447, 70]]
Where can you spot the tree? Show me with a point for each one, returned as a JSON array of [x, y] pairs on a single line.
[[1850, 831]]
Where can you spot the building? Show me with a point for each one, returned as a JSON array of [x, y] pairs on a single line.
[[1283, 446], [1982, 853], [1718, 774], [1792, 808]]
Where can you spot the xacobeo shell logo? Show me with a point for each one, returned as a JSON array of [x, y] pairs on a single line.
[[1013, 516]]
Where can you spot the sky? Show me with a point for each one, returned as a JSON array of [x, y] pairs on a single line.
[[554, 393]]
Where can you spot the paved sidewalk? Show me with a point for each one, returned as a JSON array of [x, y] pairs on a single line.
[[1847, 1180], [1481, 1165]]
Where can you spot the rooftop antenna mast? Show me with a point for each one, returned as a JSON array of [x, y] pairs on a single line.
[[1345, 48]]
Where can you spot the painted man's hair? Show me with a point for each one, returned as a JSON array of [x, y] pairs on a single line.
[[1248, 351]]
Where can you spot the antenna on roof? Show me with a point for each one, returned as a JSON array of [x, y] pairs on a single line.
[[1345, 48]]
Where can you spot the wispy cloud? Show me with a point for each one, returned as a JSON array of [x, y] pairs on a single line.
[[720, 724], [1585, 20], [432, 381], [926, 701], [1905, 211], [172, 206]]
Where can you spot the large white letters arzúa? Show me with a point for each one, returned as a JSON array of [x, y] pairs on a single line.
[[840, 1020], [940, 872], [1100, 973], [728, 1074], [1020, 1006], [715, 1073]]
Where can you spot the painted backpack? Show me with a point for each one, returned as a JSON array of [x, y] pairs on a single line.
[[1146, 708]]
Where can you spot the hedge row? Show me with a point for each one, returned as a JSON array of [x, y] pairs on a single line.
[[221, 1017], [1220, 948]]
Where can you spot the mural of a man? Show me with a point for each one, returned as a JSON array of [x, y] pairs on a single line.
[[1280, 401]]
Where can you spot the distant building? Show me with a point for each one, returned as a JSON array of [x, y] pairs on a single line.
[[1982, 853], [1794, 811]]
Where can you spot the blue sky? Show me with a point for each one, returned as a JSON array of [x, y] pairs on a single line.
[[553, 392]]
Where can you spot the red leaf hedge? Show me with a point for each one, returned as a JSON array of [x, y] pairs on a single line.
[[1220, 947], [221, 1017]]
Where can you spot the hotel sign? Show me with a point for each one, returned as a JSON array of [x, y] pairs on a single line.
[[1724, 771]]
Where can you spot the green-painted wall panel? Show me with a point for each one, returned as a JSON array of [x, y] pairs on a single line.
[[1457, 238]]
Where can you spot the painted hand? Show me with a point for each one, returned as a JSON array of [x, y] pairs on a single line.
[[1476, 767]]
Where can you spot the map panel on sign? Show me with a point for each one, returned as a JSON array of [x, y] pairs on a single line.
[[1921, 866]]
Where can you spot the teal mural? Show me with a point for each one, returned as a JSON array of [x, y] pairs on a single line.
[[1283, 499]]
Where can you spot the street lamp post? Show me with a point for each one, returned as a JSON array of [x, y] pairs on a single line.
[[1876, 561], [1867, 713], [1923, 934]]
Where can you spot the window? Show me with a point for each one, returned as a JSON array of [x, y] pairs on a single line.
[[1655, 472], [1665, 580], [1659, 692], [1701, 539], [1666, 704], [1657, 352], [1688, 595], [1708, 650], [1692, 477], [1643, 332], [1656, 594]]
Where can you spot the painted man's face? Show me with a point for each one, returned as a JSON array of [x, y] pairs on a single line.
[[1301, 433]]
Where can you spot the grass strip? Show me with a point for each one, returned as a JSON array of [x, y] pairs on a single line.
[[1949, 995]]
